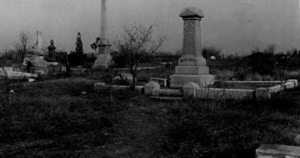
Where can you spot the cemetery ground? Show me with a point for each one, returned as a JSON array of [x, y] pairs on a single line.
[[65, 118]]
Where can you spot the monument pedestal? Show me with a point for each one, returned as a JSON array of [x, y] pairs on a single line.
[[197, 74], [178, 81], [104, 59]]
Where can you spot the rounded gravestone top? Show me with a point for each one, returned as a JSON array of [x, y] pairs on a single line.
[[191, 85], [192, 12]]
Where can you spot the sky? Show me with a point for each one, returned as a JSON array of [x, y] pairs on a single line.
[[234, 26]]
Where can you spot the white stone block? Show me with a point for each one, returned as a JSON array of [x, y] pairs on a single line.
[[294, 81], [192, 70], [276, 88], [277, 151], [178, 81], [190, 89], [151, 87], [289, 85]]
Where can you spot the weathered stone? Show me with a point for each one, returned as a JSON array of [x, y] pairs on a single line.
[[262, 93], [11, 74], [190, 70], [151, 87], [190, 89], [276, 88], [161, 81], [219, 93], [294, 81], [277, 151], [192, 65], [104, 59], [179, 80]]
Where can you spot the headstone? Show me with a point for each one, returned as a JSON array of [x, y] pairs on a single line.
[[151, 87], [190, 89], [192, 65], [104, 59], [34, 59]]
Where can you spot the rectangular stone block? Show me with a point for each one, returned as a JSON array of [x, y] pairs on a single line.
[[262, 93], [277, 151], [192, 70], [294, 81], [178, 81], [276, 88]]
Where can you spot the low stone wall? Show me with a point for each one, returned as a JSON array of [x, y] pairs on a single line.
[[218, 93], [101, 85], [192, 90]]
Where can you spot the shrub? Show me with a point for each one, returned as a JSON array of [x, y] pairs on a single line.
[[263, 62]]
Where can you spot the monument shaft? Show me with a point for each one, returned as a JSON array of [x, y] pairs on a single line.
[[104, 58], [103, 20]]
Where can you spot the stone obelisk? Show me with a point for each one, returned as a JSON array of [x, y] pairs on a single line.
[[192, 65], [104, 58], [103, 20]]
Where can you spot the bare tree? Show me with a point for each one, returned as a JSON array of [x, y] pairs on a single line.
[[136, 43], [22, 45]]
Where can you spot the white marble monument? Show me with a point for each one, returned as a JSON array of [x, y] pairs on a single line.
[[192, 65], [35, 55], [104, 59]]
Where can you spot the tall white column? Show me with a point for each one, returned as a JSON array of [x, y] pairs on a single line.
[[103, 20]]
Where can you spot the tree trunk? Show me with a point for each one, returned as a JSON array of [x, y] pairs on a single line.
[[133, 81]]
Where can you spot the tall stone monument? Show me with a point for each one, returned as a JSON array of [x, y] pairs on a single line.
[[35, 55], [192, 65], [104, 58]]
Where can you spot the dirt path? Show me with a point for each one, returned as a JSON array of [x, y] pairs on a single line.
[[139, 134]]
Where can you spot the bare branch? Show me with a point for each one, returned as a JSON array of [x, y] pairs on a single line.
[[137, 42]]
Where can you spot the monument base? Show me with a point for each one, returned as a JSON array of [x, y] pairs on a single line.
[[103, 61], [179, 80], [192, 70]]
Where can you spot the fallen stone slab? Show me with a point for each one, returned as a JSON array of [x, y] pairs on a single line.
[[277, 151]]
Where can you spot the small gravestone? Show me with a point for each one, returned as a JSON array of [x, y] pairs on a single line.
[[190, 89], [151, 87], [192, 65]]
